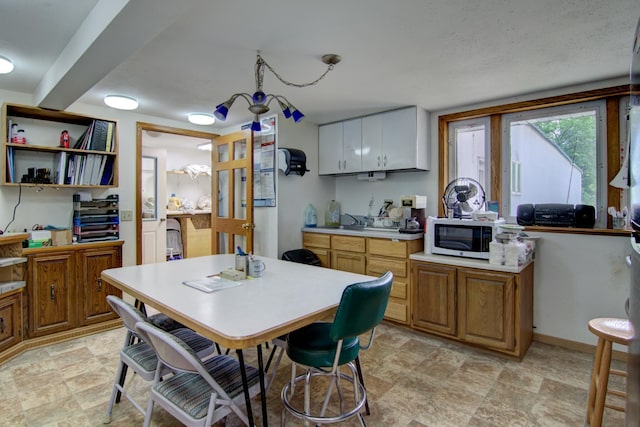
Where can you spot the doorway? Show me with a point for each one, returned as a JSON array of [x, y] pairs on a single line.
[[163, 167]]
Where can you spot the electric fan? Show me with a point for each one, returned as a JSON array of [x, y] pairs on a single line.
[[462, 197]]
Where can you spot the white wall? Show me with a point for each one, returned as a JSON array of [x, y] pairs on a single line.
[[295, 192]]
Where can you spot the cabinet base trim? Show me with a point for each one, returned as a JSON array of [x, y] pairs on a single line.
[[32, 343]]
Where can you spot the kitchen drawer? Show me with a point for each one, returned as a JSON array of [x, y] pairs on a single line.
[[400, 290], [348, 243], [397, 311], [387, 248], [316, 240], [377, 266]]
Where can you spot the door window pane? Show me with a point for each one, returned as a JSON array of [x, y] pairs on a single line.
[[149, 189]]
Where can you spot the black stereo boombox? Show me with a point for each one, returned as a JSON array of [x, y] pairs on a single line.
[[557, 215]]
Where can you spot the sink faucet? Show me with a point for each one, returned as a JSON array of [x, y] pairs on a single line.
[[356, 221]]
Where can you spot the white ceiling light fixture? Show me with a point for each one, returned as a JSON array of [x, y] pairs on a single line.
[[121, 102], [6, 66], [201, 118]]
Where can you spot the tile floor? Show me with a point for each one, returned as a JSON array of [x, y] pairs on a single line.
[[412, 380]]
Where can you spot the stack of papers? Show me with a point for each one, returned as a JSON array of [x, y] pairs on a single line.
[[210, 284]]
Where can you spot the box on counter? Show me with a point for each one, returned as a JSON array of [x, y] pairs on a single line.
[[61, 237], [511, 254]]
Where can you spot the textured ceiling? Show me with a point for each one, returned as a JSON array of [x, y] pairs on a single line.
[[179, 57]]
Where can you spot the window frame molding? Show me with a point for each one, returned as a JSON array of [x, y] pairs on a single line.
[[612, 96]]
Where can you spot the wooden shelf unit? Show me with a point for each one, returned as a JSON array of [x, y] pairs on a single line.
[[43, 128]]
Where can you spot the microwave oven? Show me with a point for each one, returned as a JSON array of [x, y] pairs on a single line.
[[460, 237]]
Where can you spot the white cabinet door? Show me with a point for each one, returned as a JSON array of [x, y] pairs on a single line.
[[372, 143], [330, 149], [351, 146], [399, 142]]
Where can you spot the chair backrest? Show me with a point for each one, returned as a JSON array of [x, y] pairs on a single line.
[[361, 307], [127, 312], [170, 349]]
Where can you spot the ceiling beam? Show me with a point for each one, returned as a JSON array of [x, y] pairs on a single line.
[[112, 32]]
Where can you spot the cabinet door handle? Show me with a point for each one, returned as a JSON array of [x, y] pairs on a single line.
[[385, 162], [1, 325], [378, 161], [99, 284], [52, 292], [344, 164]]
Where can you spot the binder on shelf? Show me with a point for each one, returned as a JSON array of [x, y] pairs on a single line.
[[61, 167], [110, 127], [99, 137], [107, 174]]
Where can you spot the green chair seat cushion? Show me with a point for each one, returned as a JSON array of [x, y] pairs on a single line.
[[191, 393], [312, 346]]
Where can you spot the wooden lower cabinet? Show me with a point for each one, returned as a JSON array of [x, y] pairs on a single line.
[[50, 287], [319, 244], [371, 256], [64, 289], [485, 308], [93, 292], [10, 319], [434, 298]]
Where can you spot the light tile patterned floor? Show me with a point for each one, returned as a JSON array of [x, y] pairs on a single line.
[[412, 380]]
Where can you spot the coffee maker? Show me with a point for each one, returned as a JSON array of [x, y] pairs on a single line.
[[415, 207]]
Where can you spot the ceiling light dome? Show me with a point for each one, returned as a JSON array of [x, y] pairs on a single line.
[[6, 66], [121, 102], [201, 118]]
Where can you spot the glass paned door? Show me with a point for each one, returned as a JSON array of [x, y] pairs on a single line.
[[232, 218]]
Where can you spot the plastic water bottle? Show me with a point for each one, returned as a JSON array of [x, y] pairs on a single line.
[[310, 216], [332, 216]]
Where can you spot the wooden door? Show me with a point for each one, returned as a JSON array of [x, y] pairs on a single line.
[[486, 308], [434, 298], [92, 290], [51, 299], [232, 193], [10, 320]]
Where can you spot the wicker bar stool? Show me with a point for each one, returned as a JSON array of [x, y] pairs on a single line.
[[609, 331]]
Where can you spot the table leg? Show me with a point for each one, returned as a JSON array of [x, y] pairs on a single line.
[[245, 386], [263, 393]]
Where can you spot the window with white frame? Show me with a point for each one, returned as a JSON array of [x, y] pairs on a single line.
[[556, 156], [469, 140]]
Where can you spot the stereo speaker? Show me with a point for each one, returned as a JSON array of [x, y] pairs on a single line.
[[526, 214], [585, 216]]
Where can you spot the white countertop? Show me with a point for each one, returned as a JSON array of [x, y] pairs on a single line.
[[392, 235], [466, 262]]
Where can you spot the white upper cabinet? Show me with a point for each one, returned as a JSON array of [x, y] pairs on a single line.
[[330, 149], [393, 140], [372, 143], [352, 146], [404, 139]]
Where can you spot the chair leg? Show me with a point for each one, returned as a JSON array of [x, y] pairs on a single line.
[[149, 413], [599, 380], [115, 392], [361, 378]]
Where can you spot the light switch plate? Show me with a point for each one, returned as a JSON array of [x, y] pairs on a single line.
[[126, 215]]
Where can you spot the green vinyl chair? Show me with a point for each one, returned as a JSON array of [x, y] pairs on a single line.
[[324, 347]]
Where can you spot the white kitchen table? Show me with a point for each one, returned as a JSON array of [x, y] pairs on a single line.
[[288, 296]]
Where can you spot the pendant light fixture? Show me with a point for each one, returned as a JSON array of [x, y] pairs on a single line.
[[259, 101]]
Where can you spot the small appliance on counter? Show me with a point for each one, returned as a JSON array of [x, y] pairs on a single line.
[[415, 212], [461, 237]]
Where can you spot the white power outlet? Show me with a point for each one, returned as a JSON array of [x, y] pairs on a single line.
[[126, 215]]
